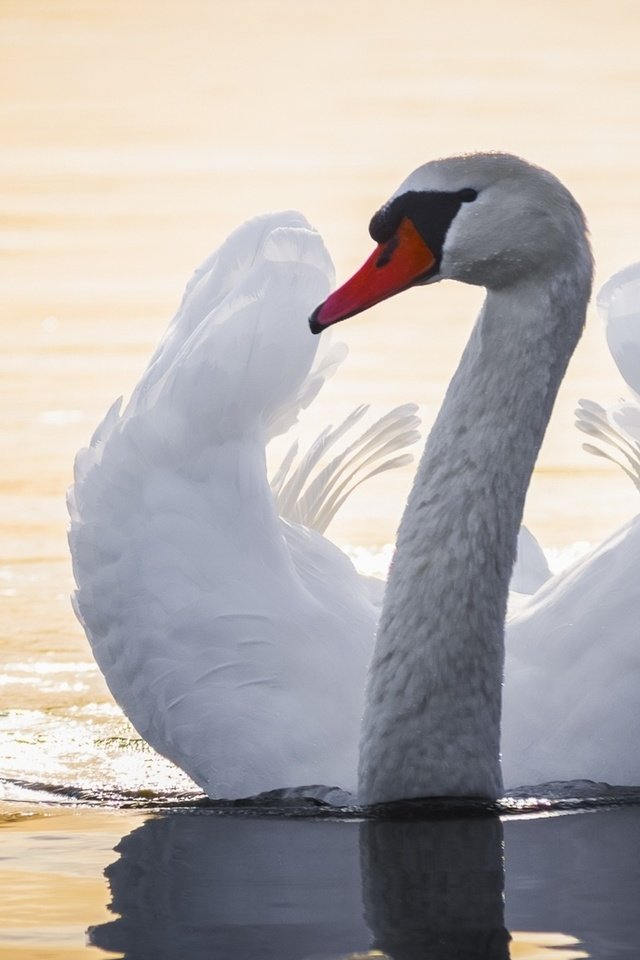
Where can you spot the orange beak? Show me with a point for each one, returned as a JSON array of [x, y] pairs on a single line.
[[393, 266]]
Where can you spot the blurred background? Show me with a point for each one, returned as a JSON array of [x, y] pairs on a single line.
[[137, 134]]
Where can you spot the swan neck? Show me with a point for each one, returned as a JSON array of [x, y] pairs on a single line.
[[432, 717]]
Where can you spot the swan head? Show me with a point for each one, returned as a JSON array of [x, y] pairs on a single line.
[[488, 219]]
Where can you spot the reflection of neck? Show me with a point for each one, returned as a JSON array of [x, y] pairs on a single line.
[[432, 722], [434, 888]]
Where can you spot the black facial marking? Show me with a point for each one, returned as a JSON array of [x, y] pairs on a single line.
[[431, 212]]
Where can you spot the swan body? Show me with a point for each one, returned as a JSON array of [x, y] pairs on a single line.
[[237, 638], [236, 641]]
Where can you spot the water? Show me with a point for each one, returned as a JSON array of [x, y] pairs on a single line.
[[135, 137], [196, 884], [433, 888]]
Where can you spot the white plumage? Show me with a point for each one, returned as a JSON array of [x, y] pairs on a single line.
[[618, 426], [571, 703], [235, 639]]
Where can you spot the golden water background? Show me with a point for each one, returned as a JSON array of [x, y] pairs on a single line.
[[137, 134]]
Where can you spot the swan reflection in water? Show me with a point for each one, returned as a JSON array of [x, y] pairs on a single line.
[[201, 886], [244, 888]]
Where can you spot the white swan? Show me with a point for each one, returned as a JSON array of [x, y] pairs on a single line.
[[572, 679], [433, 705], [238, 643]]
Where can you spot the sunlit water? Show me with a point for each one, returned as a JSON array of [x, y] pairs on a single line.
[[135, 137]]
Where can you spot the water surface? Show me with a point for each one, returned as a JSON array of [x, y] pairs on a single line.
[[196, 884]]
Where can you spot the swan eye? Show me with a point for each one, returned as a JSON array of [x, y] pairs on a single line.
[[467, 194]]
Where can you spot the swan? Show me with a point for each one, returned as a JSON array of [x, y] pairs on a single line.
[[237, 638], [432, 720]]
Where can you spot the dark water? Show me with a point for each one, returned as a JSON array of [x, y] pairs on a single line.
[[200, 885]]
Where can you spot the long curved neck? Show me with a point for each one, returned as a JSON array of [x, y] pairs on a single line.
[[432, 716]]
